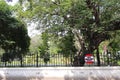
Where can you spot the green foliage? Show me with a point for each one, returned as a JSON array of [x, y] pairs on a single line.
[[44, 46], [93, 19], [54, 46], [4, 8], [13, 33], [114, 42], [67, 44], [35, 43]]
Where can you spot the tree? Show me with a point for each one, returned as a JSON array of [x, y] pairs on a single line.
[[67, 44], [114, 42], [94, 21], [44, 48], [13, 34], [91, 21]]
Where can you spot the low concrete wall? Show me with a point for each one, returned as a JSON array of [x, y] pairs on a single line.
[[61, 73]]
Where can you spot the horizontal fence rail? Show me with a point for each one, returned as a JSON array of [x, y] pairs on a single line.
[[58, 60]]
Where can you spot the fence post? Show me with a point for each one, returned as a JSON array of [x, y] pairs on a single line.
[[37, 60], [108, 58], [5, 64], [71, 58], [21, 60]]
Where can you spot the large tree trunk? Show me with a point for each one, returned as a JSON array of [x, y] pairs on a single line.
[[79, 57]]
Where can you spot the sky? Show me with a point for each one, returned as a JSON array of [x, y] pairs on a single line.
[[32, 30], [13, 2]]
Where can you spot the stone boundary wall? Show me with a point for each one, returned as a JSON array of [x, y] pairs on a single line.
[[61, 73]]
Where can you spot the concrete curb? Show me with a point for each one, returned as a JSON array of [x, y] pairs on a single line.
[[61, 73]]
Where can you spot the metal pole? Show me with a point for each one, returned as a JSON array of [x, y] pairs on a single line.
[[37, 60]]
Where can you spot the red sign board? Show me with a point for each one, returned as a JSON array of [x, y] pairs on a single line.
[[89, 59]]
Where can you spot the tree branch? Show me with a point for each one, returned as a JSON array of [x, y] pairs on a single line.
[[113, 25], [95, 7]]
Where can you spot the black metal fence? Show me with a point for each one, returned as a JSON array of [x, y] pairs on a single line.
[[58, 60]]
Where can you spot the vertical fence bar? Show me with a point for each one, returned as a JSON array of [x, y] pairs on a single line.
[[5, 64], [71, 59], [21, 61], [108, 56], [37, 60]]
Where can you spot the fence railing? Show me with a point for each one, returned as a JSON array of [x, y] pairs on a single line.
[[58, 60]]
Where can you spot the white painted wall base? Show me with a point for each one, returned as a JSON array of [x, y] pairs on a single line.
[[61, 73]]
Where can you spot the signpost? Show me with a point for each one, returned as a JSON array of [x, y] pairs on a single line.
[[89, 58]]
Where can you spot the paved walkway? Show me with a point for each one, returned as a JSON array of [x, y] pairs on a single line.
[[61, 73]]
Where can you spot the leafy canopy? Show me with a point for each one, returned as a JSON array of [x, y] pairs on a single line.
[[13, 33]]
